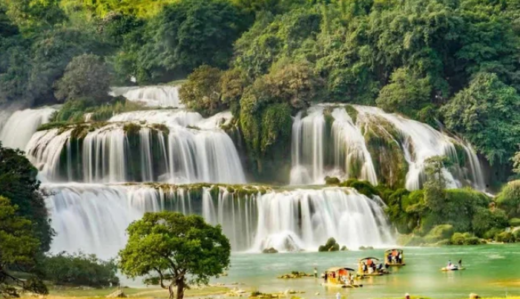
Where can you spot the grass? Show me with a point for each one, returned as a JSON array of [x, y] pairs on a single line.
[[149, 292]]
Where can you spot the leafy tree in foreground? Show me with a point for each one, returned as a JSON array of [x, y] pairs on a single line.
[[86, 76], [174, 247], [19, 183], [18, 250]]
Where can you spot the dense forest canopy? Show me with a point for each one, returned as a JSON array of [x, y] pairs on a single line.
[[456, 62]]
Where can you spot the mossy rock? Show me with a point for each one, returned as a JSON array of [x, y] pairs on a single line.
[[270, 250], [331, 245], [332, 180]]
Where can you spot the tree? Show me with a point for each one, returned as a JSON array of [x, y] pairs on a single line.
[[188, 34], [202, 91], [509, 199], [406, 93], [487, 113], [435, 185], [18, 249], [19, 183], [86, 76], [174, 247], [79, 269]]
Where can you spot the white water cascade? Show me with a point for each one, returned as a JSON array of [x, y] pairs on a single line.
[[151, 96], [22, 124], [341, 148], [93, 218], [180, 152]]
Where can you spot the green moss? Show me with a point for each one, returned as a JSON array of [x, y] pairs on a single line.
[[352, 112], [384, 144], [160, 127], [131, 128]]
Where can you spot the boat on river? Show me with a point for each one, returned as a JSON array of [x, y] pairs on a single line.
[[370, 266], [394, 258], [453, 268], [340, 277]]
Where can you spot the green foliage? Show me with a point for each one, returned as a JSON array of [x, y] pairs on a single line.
[[509, 199], [464, 239], [86, 76], [187, 34], [79, 270], [330, 245], [176, 248], [19, 183], [74, 111], [487, 114], [514, 222], [438, 233], [506, 237], [405, 93], [18, 248], [484, 219], [434, 194], [202, 91]]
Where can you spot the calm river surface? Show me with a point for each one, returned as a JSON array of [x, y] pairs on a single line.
[[491, 270]]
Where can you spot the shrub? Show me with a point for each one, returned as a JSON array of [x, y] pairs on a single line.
[[492, 233], [516, 233], [506, 237], [464, 239], [331, 245], [86, 76], [80, 270], [514, 222], [439, 232]]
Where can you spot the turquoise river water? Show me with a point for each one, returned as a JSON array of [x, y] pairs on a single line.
[[491, 270]]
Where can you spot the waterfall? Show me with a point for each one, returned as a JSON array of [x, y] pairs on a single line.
[[368, 144], [151, 96], [22, 124], [179, 152], [93, 218]]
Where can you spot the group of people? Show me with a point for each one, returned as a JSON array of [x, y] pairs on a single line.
[[343, 276], [371, 267], [451, 266], [395, 257]]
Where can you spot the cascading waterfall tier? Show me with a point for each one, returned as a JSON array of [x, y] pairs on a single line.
[[366, 143], [93, 218], [151, 96], [22, 124], [144, 146]]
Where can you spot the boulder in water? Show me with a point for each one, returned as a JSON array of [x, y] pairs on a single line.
[[270, 250], [331, 245]]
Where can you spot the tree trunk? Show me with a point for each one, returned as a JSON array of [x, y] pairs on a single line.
[[180, 289], [170, 289]]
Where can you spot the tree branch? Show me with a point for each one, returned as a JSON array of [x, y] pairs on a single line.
[[161, 278]]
